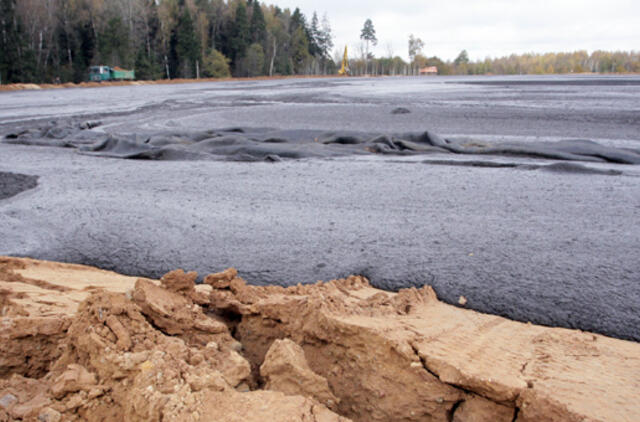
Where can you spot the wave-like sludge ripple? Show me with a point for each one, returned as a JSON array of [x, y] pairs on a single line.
[[264, 144]]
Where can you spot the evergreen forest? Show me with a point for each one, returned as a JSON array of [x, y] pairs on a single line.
[[46, 41], [49, 40]]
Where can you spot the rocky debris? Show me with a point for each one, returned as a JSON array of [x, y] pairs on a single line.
[[185, 284], [180, 282], [286, 370], [23, 398], [75, 378], [337, 351], [221, 280], [175, 314]]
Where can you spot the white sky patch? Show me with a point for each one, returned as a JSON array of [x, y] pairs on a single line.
[[489, 28]]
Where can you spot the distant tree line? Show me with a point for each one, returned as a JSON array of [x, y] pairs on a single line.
[[523, 64], [547, 63], [362, 61], [49, 40]]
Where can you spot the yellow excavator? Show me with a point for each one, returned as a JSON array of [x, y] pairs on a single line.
[[344, 70]]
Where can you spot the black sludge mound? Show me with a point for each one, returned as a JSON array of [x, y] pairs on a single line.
[[68, 134], [570, 150], [400, 110], [588, 148], [239, 147], [122, 148], [12, 184], [258, 144], [228, 145], [573, 168]]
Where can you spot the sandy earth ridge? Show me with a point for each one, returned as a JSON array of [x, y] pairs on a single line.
[[78, 343], [32, 86]]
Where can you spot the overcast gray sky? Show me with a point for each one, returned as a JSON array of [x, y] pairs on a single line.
[[484, 28]]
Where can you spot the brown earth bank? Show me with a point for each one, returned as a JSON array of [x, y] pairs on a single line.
[[33, 86], [78, 343]]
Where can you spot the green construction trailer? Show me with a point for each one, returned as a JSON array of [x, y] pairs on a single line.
[[106, 73]]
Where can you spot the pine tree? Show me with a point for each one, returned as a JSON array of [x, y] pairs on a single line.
[[85, 51], [299, 50], [415, 48], [314, 36], [326, 37], [463, 58], [152, 27], [240, 36], [297, 21], [143, 66], [368, 34], [188, 44], [184, 44], [255, 60], [17, 61], [258, 27], [113, 43], [9, 40]]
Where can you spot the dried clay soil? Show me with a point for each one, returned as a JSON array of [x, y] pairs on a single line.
[[78, 343]]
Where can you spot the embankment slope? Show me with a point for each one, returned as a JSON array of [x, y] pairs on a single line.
[[79, 343]]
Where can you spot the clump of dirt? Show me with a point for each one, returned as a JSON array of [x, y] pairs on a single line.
[[226, 351]]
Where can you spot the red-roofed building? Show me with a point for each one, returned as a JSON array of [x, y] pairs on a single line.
[[429, 70]]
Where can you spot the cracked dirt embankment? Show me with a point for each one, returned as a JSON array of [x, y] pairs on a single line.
[[79, 343]]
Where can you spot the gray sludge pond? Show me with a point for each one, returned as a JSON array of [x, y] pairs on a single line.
[[521, 194]]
